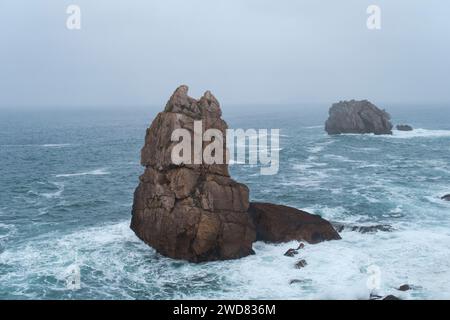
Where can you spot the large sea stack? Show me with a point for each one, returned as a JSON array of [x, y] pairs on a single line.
[[357, 117], [196, 212], [193, 212]]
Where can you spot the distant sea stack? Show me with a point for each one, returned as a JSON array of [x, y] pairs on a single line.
[[357, 117], [196, 212], [404, 127]]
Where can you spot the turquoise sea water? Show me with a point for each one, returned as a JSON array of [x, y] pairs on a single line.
[[66, 185]]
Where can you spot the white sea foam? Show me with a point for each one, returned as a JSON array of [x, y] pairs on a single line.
[[313, 127], [125, 268], [307, 176], [97, 172], [49, 145], [6, 230], [419, 133], [339, 158], [315, 149], [57, 145], [334, 213], [265, 150], [56, 194], [319, 147], [397, 134], [234, 162]]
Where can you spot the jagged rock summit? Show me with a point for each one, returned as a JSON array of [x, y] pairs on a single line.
[[197, 212], [194, 212], [357, 117]]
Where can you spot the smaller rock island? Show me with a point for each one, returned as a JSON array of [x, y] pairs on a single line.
[[357, 117], [404, 127]]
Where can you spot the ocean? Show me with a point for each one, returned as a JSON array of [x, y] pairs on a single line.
[[67, 179]]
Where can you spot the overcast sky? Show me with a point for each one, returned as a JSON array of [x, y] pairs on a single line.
[[136, 52]]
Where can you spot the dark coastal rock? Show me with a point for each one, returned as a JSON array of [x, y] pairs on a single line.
[[300, 264], [363, 229], [404, 127], [191, 212], [388, 297], [357, 117], [405, 287], [446, 197], [277, 223], [291, 253], [375, 297], [294, 281]]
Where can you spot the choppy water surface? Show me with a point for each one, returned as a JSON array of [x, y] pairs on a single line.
[[66, 184]]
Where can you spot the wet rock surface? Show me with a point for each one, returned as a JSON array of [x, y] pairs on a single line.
[[277, 223], [292, 252], [301, 264]]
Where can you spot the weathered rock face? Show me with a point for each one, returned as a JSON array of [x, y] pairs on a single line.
[[357, 117], [276, 223], [404, 127], [194, 212]]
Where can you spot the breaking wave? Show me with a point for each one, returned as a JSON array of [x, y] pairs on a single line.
[[97, 172]]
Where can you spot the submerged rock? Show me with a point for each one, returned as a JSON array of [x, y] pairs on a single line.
[[374, 296], [363, 229], [277, 223], [294, 281], [191, 212], [446, 197], [291, 253], [391, 297], [405, 287], [404, 127], [357, 117], [300, 264]]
